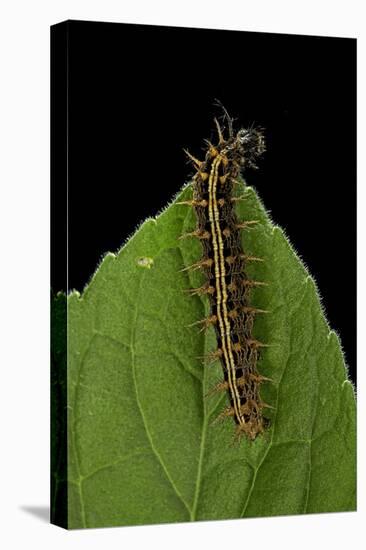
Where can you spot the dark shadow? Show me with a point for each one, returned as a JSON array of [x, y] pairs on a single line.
[[40, 512]]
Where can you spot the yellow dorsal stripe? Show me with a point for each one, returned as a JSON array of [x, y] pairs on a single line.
[[221, 291], [232, 371]]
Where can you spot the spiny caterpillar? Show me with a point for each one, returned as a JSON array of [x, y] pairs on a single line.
[[223, 263]]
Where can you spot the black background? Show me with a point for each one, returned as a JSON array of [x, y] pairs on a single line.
[[139, 94]]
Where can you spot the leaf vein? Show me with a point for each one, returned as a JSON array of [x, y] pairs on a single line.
[[148, 434]]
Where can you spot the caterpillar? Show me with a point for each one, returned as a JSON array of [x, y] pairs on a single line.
[[224, 263]]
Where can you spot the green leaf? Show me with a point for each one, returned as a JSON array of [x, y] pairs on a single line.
[[142, 446]]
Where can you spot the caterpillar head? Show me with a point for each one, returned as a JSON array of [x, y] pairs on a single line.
[[251, 145]]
